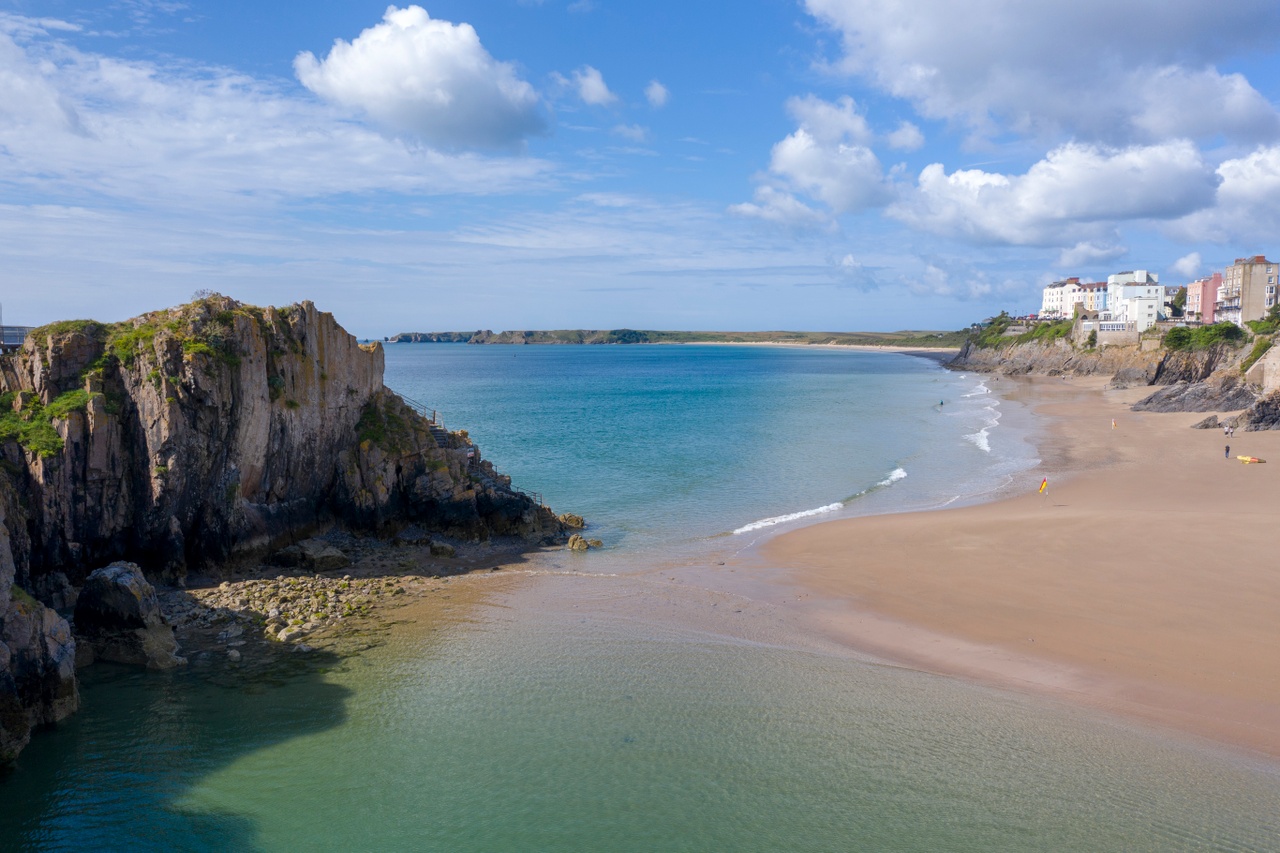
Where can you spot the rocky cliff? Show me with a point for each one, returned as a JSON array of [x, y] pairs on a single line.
[[1208, 380], [198, 436]]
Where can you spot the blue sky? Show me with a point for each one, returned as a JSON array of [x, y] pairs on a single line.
[[766, 164]]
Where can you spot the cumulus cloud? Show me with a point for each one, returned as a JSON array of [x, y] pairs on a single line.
[[1139, 71], [77, 125], [1088, 254], [906, 138], [1247, 205], [779, 207], [827, 159], [1187, 266], [845, 177], [426, 78], [1076, 194], [656, 94], [830, 123], [591, 88]]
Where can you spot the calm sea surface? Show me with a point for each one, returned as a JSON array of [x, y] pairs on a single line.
[[614, 702]]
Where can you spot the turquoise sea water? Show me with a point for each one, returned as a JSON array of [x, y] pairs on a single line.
[[606, 703]]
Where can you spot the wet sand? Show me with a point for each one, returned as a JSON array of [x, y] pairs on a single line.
[[1146, 580]]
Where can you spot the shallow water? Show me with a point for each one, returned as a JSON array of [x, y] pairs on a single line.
[[603, 703]]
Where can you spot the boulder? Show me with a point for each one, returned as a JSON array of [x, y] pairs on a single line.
[[320, 556], [573, 520], [442, 549], [118, 618], [577, 543], [1210, 422]]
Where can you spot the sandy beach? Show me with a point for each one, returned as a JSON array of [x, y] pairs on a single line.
[[1144, 582]]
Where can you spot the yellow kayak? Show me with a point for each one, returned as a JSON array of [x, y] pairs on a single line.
[[1249, 459]]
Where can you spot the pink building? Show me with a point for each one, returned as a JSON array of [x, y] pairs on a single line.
[[1201, 295]]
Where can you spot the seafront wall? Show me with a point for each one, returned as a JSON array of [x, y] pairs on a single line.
[[194, 438]]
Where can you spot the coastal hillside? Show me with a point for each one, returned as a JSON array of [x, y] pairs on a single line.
[[196, 437], [1217, 368], [943, 340]]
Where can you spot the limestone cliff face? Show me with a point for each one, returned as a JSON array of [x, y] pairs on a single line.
[[197, 435]]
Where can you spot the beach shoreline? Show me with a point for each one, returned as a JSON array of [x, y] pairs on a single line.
[[1139, 584]]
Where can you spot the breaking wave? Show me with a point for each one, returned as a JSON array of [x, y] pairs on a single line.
[[893, 476]]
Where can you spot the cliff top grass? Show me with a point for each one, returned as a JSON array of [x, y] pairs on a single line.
[[1183, 338]]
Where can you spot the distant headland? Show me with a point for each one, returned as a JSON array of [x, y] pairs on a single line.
[[921, 339]]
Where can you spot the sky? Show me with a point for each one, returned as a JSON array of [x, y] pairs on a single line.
[[832, 165]]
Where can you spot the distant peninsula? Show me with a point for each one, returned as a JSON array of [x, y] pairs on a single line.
[[922, 339]]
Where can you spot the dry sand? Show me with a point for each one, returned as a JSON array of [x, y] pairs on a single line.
[[1146, 581]]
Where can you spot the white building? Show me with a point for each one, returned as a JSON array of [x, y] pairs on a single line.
[[1060, 298], [1134, 299]]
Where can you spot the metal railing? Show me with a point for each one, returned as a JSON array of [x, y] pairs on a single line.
[[11, 337]]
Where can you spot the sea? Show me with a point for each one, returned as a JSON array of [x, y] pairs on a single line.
[[654, 694]]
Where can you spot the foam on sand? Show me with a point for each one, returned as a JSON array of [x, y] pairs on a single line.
[[892, 477]]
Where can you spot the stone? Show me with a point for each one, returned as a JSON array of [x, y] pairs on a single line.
[[595, 543], [577, 543], [443, 549], [570, 519], [320, 556], [1210, 422], [118, 618], [233, 655]]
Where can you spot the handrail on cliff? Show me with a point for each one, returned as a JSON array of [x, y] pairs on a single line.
[[421, 408]]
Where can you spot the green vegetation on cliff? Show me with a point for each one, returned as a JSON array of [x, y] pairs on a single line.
[[997, 331], [32, 425], [1183, 338]]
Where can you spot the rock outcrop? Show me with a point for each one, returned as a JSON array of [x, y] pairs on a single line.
[[1224, 391], [118, 619], [199, 436], [37, 661]]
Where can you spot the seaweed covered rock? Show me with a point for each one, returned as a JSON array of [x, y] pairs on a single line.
[[118, 619]]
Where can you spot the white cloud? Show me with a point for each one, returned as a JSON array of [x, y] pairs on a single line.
[[427, 78], [779, 207], [1090, 254], [1076, 194], [591, 87], [830, 123], [851, 272], [827, 159], [1247, 205], [657, 94], [78, 127], [1187, 266], [845, 177], [906, 138], [1118, 72]]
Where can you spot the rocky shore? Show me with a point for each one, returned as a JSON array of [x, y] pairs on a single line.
[[186, 449]]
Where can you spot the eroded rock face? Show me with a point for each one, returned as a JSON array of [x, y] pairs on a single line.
[[37, 661], [199, 436], [1224, 391], [118, 619]]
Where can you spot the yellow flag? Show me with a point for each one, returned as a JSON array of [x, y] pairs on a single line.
[[1044, 484]]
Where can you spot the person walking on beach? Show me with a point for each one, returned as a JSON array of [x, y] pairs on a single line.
[[1227, 454]]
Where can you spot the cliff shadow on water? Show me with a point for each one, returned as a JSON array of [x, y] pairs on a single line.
[[195, 440], [80, 790]]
